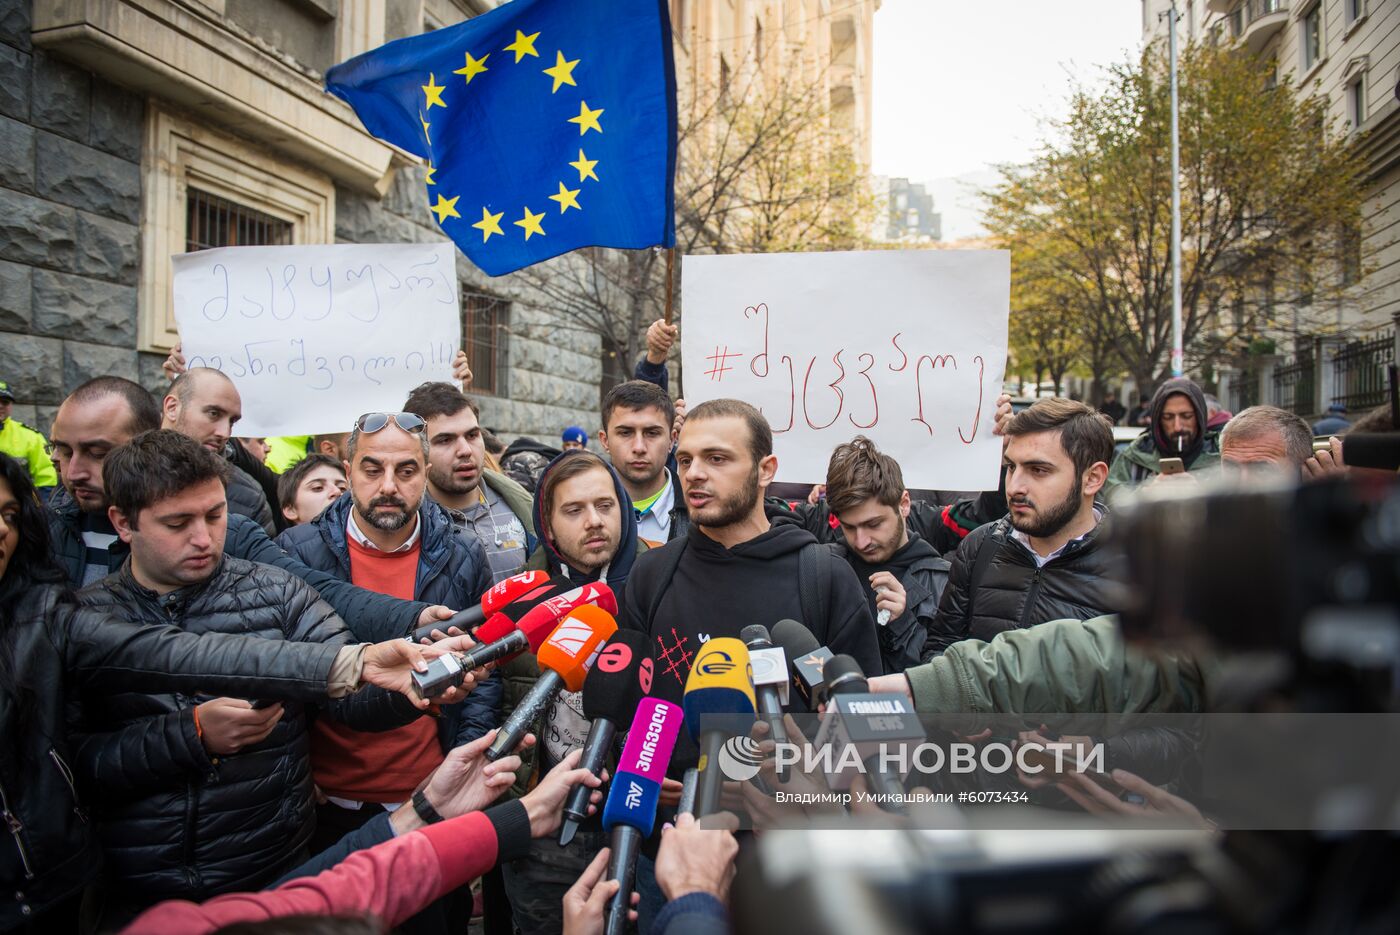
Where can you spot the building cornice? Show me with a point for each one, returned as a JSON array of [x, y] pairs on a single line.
[[184, 55]]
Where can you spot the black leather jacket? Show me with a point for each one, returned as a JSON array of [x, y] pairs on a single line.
[[175, 820], [54, 649]]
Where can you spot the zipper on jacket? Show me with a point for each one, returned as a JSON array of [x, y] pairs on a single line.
[[1031, 594], [68, 778], [16, 829]]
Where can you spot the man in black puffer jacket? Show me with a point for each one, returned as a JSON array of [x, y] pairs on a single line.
[[1044, 560], [197, 798]]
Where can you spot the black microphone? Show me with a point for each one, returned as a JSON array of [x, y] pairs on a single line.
[[870, 722], [619, 679], [770, 680], [1379, 450], [806, 658]]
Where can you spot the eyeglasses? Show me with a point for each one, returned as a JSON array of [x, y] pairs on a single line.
[[372, 422]]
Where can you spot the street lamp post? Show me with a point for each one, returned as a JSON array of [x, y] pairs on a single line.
[[1177, 369]]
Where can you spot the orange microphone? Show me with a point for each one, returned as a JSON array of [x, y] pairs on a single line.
[[565, 659]]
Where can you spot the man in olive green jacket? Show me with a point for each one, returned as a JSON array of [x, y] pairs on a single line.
[[1060, 667]]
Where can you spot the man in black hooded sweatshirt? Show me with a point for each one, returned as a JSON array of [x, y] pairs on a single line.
[[901, 574], [1177, 430], [740, 565]]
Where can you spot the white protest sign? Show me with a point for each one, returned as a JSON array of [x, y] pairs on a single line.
[[314, 336], [906, 347]]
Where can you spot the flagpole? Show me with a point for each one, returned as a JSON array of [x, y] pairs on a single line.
[[670, 280]]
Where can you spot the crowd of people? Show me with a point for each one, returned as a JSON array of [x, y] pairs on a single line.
[[208, 695]]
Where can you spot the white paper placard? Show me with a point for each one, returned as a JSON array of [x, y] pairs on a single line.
[[907, 347], [313, 336]]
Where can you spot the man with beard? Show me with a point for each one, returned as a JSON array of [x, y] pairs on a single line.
[[637, 420], [738, 566], [1044, 560], [903, 577], [203, 404], [485, 505], [386, 536], [1177, 429], [588, 533]]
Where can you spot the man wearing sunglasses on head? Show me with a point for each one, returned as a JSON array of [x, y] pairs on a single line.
[[384, 534]]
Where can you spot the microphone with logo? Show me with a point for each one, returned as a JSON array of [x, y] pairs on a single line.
[[770, 679], [518, 627], [719, 683], [630, 811], [611, 692], [876, 725], [564, 660], [524, 586], [807, 659]]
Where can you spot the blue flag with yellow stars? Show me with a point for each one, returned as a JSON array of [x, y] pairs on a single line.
[[548, 125]]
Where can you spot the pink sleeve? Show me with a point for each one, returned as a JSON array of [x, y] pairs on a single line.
[[390, 881]]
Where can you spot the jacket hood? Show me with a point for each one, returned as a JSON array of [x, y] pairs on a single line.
[[621, 565], [1189, 389], [529, 444], [785, 535]]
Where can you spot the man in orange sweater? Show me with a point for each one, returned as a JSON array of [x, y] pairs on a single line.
[[384, 535]]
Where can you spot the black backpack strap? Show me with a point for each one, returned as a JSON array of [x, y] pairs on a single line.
[[663, 580], [986, 551], [814, 584]]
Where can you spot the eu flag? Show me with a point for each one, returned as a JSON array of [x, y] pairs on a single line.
[[548, 125]]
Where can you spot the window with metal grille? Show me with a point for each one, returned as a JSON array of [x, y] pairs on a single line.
[[484, 322], [211, 221]]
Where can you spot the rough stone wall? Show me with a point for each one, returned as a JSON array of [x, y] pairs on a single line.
[[70, 206]]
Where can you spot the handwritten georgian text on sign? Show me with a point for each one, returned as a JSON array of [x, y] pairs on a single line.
[[313, 336]]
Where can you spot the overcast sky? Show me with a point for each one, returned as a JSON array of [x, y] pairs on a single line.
[[961, 85]]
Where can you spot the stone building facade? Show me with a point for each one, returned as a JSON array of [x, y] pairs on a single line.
[[119, 118]]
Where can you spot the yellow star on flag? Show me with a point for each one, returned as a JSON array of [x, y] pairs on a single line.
[[523, 45], [587, 119], [562, 72], [428, 176], [531, 223], [474, 67], [491, 224], [585, 167], [445, 208], [567, 198], [433, 92], [426, 127]]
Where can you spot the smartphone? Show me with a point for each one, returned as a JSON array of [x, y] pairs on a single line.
[[1325, 445], [1172, 466], [259, 704]]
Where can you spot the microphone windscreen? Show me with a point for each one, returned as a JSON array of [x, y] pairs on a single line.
[[541, 619], [512, 589], [1380, 450], [795, 639], [619, 679], [755, 634], [572, 647], [536, 596], [720, 682], [637, 786], [845, 670]]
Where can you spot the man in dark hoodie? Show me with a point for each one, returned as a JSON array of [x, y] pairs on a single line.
[[903, 577], [1177, 430], [740, 564], [588, 532]]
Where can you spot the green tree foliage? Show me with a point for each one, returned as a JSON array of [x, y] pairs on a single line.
[[1265, 187]]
